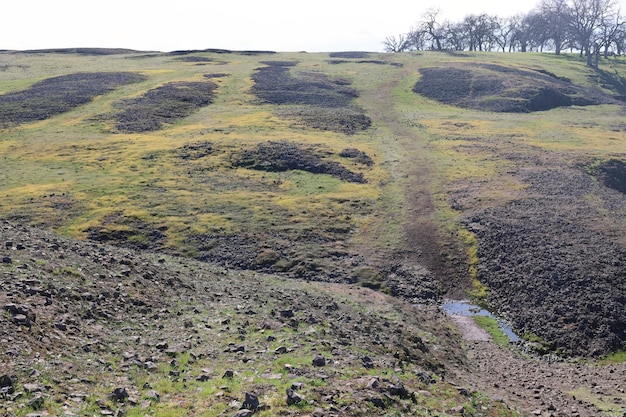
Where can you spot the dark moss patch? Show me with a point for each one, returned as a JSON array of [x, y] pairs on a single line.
[[197, 150], [284, 156], [503, 89], [57, 95], [357, 155], [350, 54], [325, 103], [612, 173], [192, 58], [274, 84], [127, 231], [82, 51], [347, 120], [165, 104], [366, 61], [216, 75]]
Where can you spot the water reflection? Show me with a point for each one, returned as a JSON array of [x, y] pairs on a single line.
[[465, 308]]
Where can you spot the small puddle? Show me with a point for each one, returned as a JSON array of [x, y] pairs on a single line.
[[465, 308]]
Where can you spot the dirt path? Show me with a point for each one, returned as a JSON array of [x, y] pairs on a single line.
[[538, 387], [423, 242]]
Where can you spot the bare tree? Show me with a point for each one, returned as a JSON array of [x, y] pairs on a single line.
[[480, 31], [416, 40], [556, 17], [585, 20], [396, 44], [433, 31], [456, 38], [504, 31], [589, 26], [610, 30]]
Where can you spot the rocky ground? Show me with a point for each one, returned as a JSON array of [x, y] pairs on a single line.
[[553, 264], [89, 329], [544, 386], [92, 329]]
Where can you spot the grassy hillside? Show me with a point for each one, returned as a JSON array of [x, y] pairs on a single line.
[[420, 175]]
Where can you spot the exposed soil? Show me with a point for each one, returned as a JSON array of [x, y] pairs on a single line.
[[503, 89], [57, 95], [163, 105], [424, 245]]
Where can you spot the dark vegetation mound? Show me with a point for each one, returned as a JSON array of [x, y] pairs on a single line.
[[57, 95], [284, 156], [365, 61], [357, 155], [197, 150], [274, 84], [553, 267], [612, 173], [350, 54], [133, 232], [219, 51], [82, 51], [503, 89], [346, 120], [165, 104], [325, 104], [191, 58]]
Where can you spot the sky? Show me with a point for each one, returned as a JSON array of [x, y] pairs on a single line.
[[277, 25]]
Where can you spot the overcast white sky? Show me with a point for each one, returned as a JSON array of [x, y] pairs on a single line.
[[278, 25]]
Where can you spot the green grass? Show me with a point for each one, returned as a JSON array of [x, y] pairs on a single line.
[[614, 358], [490, 325]]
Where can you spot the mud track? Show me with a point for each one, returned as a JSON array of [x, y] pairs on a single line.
[[423, 243]]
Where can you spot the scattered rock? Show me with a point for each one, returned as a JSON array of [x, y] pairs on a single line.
[[286, 313], [30, 388], [152, 395], [119, 394], [293, 397], [297, 386], [399, 390], [244, 413], [368, 363], [7, 381], [36, 403], [319, 360], [251, 402]]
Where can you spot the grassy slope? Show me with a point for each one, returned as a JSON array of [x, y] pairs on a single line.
[[99, 173], [73, 174]]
